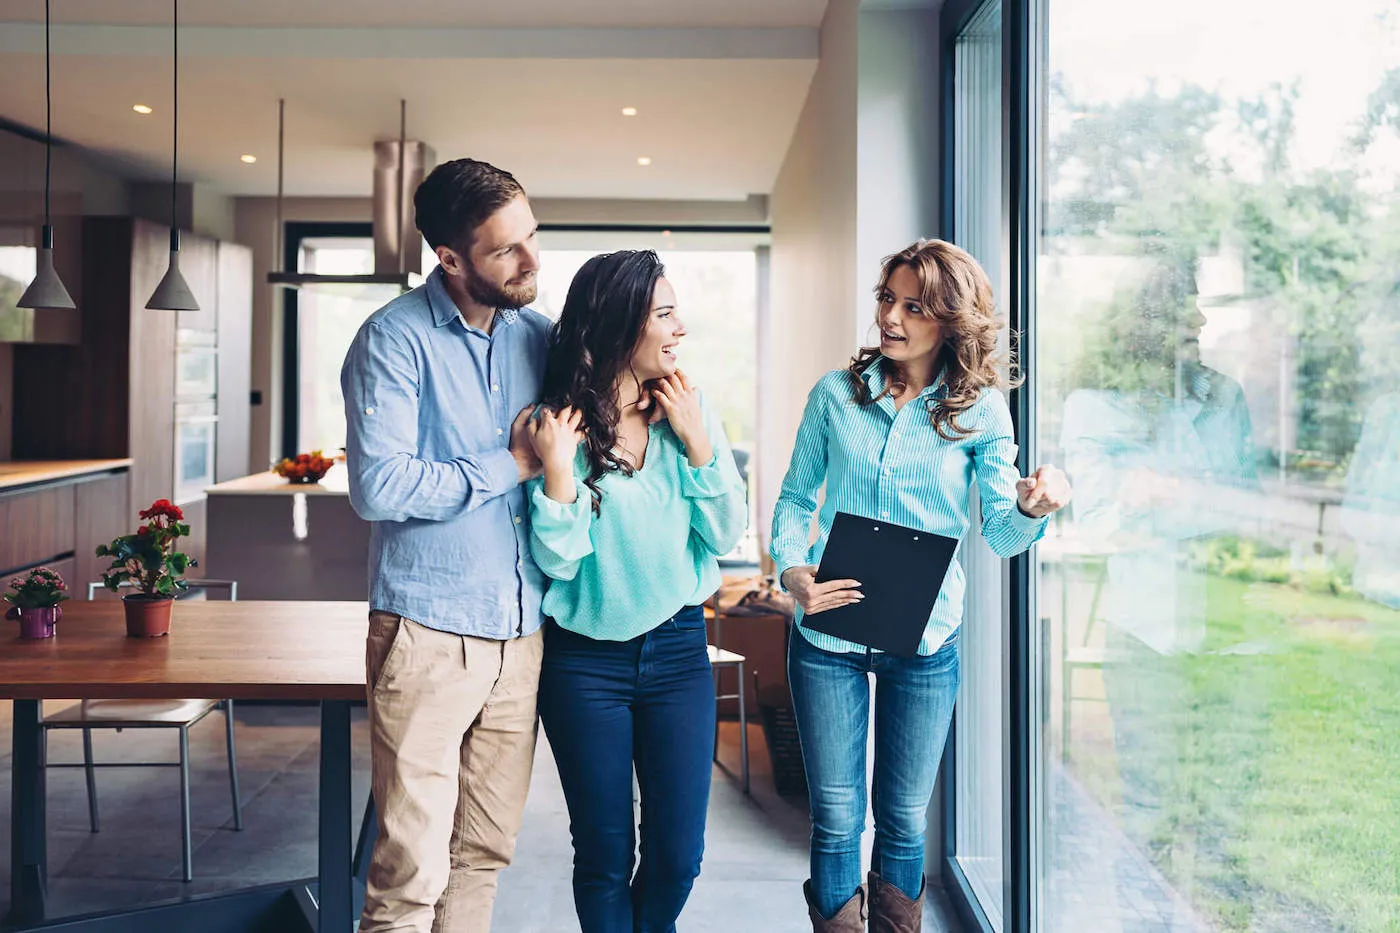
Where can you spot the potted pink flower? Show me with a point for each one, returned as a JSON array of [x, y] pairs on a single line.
[[149, 561], [35, 602]]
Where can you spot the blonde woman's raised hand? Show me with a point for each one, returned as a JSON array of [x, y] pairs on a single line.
[[1044, 491]]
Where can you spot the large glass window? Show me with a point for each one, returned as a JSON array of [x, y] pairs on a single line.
[[1217, 313], [977, 225], [714, 274], [328, 317]]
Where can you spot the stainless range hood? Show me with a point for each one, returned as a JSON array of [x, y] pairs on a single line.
[[399, 166]]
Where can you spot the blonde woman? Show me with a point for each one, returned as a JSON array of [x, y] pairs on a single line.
[[900, 435]]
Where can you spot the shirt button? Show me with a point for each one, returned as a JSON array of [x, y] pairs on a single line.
[[495, 388], [369, 411], [499, 432], [517, 519]]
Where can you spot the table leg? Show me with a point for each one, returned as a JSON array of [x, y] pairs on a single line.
[[28, 836], [364, 848], [336, 898]]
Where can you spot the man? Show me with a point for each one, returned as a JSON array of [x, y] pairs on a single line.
[[437, 454]]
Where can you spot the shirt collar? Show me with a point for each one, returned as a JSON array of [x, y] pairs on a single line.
[[445, 310], [874, 377]]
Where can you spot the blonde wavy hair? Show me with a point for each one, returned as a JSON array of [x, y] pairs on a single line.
[[955, 290]]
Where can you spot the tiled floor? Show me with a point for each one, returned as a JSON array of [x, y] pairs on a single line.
[[755, 857], [1100, 881]]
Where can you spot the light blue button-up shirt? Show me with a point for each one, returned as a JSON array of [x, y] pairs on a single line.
[[881, 462], [429, 403]]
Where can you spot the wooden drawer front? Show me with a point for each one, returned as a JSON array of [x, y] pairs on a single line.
[[37, 526], [103, 512]]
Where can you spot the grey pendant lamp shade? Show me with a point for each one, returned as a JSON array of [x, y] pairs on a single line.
[[46, 291], [173, 293]]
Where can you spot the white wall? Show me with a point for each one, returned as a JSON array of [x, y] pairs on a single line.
[[749, 212], [813, 273], [860, 181], [897, 142]]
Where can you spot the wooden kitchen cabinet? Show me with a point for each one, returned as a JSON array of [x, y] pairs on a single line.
[[235, 272], [56, 514], [114, 394], [39, 526], [199, 263]]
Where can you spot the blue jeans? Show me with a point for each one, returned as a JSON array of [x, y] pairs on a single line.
[[607, 706], [913, 707]]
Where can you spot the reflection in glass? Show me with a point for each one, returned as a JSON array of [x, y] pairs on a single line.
[[1217, 347]]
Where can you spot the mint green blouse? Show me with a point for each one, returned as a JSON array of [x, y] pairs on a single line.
[[653, 549]]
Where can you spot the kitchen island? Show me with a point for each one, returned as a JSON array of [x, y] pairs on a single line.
[[288, 541]]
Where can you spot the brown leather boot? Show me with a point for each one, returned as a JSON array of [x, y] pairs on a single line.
[[849, 919], [891, 910]]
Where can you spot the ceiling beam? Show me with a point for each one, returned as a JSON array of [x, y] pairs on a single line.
[[799, 43]]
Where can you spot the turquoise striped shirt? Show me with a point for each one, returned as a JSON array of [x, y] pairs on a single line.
[[879, 462], [655, 546]]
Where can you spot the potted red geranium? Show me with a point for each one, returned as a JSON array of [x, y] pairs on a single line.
[[35, 602], [149, 561]]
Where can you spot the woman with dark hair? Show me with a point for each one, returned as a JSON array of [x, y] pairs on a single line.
[[900, 436], [640, 495]]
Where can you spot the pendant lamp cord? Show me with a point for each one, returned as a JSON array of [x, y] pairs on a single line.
[[175, 142], [48, 117]]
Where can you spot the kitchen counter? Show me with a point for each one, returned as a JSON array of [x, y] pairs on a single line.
[[334, 483], [284, 540], [15, 474], [56, 512]]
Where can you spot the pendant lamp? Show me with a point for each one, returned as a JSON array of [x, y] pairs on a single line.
[[46, 291], [173, 293]]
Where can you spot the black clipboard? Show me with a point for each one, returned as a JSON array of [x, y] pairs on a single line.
[[901, 571]]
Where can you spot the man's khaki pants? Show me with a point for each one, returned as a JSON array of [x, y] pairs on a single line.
[[452, 741]]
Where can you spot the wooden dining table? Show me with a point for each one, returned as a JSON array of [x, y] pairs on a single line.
[[306, 651]]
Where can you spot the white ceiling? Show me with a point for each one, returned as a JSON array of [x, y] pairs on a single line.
[[476, 14], [535, 86]]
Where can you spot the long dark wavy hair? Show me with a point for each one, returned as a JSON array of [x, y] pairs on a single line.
[[955, 290], [604, 315]]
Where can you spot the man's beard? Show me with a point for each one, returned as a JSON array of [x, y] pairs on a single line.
[[491, 295]]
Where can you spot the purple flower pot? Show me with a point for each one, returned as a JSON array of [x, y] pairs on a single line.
[[36, 623]]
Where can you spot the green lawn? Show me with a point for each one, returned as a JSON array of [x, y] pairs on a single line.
[[1281, 806]]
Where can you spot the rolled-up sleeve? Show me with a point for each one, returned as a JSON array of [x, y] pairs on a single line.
[[388, 480], [1006, 528]]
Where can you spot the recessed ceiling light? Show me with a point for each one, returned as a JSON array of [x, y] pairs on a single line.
[[249, 159], [629, 111], [644, 160], [141, 108]]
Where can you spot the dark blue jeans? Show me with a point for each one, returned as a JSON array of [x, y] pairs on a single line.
[[913, 707], [607, 706]]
